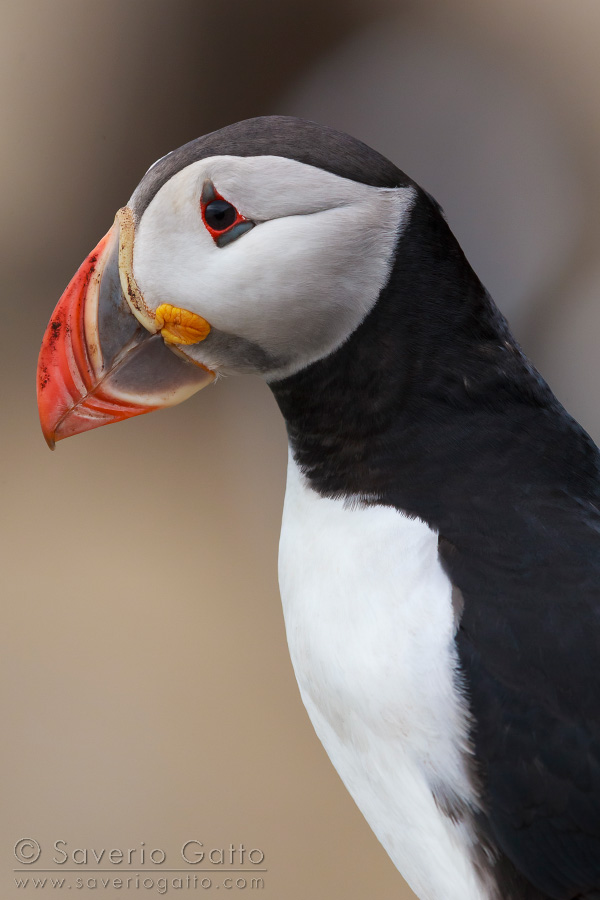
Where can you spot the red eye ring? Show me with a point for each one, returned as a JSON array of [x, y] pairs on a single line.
[[220, 217]]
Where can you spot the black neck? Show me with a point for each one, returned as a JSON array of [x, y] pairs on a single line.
[[430, 406]]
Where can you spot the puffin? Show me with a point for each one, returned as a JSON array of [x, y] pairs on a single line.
[[439, 559]]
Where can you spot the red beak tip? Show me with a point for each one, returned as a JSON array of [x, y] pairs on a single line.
[[50, 438]]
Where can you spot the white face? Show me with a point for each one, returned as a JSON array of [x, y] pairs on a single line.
[[290, 290]]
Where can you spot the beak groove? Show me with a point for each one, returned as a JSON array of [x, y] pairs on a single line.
[[98, 364], [65, 370]]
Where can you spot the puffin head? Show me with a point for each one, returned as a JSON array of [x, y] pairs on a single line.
[[259, 248]]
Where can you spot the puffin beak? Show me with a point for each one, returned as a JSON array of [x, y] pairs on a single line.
[[105, 355]]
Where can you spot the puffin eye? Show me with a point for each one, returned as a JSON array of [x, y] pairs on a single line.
[[220, 215], [222, 220]]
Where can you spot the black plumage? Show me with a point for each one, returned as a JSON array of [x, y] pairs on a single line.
[[432, 408], [287, 136]]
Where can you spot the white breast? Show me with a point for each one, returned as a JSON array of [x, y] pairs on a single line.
[[370, 625]]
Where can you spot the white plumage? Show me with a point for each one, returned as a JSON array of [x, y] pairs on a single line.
[[370, 625]]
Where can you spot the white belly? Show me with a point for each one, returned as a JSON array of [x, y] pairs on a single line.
[[370, 626]]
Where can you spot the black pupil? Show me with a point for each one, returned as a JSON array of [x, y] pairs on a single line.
[[220, 215]]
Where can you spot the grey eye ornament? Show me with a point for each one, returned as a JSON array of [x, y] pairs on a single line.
[[222, 220]]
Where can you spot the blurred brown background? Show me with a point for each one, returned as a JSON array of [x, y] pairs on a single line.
[[147, 694]]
